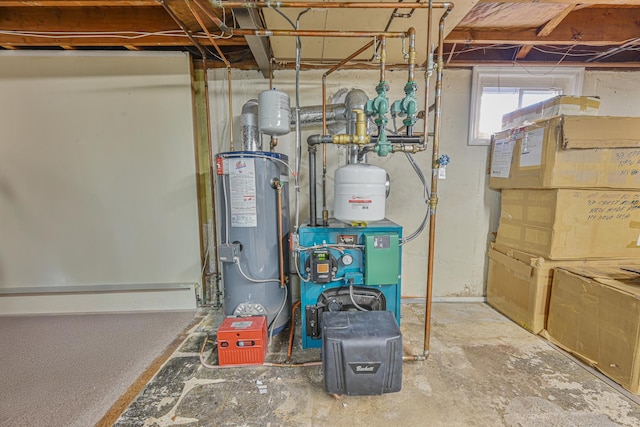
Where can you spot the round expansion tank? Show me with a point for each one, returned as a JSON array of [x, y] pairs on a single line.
[[248, 206], [360, 192], [273, 112]]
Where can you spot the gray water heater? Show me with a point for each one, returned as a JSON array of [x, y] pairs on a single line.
[[250, 238]]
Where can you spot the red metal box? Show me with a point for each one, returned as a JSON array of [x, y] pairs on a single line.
[[242, 341]]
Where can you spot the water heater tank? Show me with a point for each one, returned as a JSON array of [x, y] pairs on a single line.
[[360, 192], [273, 112]]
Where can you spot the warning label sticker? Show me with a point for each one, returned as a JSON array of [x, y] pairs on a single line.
[[242, 186]]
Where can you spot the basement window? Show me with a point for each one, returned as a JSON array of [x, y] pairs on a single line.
[[499, 90]]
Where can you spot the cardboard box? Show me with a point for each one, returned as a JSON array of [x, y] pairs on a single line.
[[568, 152], [571, 224], [556, 106], [519, 283], [594, 313]]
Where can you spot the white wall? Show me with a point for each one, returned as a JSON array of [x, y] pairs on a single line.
[[97, 170], [619, 91], [468, 211]]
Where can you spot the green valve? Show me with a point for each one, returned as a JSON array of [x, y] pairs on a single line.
[[381, 259]]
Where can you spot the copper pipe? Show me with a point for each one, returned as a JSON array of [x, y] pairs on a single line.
[[427, 76], [224, 59], [271, 74], [231, 146], [278, 186], [412, 53], [325, 5], [292, 330], [317, 33], [433, 202], [383, 57], [413, 358], [347, 59]]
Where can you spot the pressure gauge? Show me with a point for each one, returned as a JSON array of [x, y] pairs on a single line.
[[347, 259]]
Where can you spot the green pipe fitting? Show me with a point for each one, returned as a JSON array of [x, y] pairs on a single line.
[[383, 146]]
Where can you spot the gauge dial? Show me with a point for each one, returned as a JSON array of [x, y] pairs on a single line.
[[347, 259]]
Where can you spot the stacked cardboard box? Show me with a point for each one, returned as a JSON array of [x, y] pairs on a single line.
[[570, 202]]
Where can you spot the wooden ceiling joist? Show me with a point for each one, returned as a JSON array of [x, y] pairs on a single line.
[[98, 27], [595, 27]]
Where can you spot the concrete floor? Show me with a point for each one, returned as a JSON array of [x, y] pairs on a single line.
[[484, 370]]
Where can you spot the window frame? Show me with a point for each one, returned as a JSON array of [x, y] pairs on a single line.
[[568, 80]]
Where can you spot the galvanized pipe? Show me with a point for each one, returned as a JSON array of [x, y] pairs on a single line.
[[312, 186]]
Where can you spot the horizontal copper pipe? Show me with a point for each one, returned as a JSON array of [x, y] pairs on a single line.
[[316, 33], [327, 5]]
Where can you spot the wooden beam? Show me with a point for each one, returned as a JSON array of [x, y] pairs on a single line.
[[524, 51], [135, 26], [591, 26], [451, 52], [547, 28], [600, 65]]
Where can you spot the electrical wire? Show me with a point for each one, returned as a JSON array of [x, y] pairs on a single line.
[[208, 340], [296, 260], [422, 178], [237, 262], [353, 301], [284, 302], [298, 139], [226, 203]]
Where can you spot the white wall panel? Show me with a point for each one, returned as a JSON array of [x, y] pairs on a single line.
[[97, 170]]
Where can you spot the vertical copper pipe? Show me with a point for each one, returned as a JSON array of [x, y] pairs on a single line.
[[292, 329], [231, 146], [412, 53], [271, 74], [433, 202], [278, 185], [383, 57]]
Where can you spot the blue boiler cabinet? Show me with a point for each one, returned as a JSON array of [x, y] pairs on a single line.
[[348, 268]]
